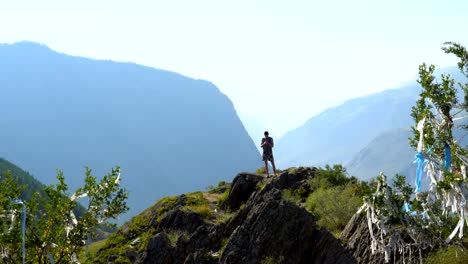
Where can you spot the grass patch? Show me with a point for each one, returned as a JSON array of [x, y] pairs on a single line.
[[224, 196], [95, 246], [448, 255], [261, 185], [203, 210], [291, 196], [272, 260], [165, 205], [91, 251], [197, 203], [223, 245], [224, 217], [175, 235], [262, 170], [138, 226]]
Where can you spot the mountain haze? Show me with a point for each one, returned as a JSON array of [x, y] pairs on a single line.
[[169, 133], [338, 133], [389, 152], [368, 134]]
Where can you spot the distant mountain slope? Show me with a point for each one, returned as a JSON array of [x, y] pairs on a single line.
[[22, 177], [169, 133], [338, 133], [389, 152]]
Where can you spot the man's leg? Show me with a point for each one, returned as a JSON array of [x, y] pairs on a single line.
[[274, 168], [266, 167]]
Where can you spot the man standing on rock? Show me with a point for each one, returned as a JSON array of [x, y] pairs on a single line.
[[267, 145]]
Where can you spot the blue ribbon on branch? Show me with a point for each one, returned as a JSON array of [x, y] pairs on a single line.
[[419, 159], [448, 157]]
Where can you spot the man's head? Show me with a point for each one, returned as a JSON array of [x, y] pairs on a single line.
[[266, 133]]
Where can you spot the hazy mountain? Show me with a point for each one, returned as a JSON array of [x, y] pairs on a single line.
[[169, 133], [338, 133], [22, 177], [389, 152]]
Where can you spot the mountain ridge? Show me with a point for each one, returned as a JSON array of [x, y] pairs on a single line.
[[318, 141], [169, 133]]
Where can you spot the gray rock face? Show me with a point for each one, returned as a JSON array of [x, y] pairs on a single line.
[[158, 251], [181, 220], [281, 230], [356, 238], [243, 185], [295, 180]]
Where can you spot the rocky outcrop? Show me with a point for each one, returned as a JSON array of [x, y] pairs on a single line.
[[243, 185], [266, 228], [158, 251], [357, 239], [294, 178], [275, 228], [187, 221]]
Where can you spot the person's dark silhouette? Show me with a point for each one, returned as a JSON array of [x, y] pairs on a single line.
[[267, 146]]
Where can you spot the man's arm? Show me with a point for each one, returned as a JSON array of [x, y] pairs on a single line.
[[266, 141]]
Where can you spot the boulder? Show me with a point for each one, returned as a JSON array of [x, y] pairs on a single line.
[[158, 251], [294, 178], [243, 185], [181, 220]]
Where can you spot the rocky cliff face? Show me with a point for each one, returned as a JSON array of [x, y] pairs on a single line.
[[252, 223]]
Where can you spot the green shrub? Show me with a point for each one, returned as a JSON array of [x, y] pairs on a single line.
[[331, 176], [333, 207]]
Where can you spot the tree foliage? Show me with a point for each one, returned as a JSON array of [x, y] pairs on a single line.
[[414, 221], [52, 229]]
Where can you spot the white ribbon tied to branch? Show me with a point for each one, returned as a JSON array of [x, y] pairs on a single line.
[[23, 227]]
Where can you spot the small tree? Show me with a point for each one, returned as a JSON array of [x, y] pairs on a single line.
[[10, 230], [53, 232], [408, 225]]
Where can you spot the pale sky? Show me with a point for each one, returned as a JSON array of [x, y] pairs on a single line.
[[280, 62]]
